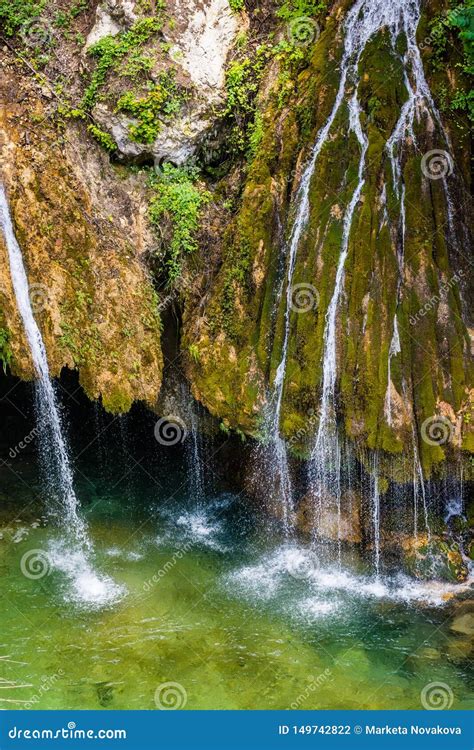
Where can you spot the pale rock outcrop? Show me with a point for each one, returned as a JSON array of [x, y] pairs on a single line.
[[200, 39]]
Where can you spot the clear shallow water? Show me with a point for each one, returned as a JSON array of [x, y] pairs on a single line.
[[208, 599]]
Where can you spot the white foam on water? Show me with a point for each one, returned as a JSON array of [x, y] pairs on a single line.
[[298, 567], [313, 608], [85, 587], [196, 527], [431, 593], [131, 555]]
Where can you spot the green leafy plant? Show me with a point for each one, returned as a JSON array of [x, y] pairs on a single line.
[[15, 13], [178, 200], [111, 50], [237, 5], [242, 83], [291, 9], [458, 20], [164, 99], [194, 353], [105, 140]]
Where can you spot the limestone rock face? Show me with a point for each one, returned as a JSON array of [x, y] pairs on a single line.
[[83, 236], [199, 39], [110, 18]]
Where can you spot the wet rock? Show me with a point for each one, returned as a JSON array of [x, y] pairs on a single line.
[[436, 560], [464, 624], [460, 649], [332, 524]]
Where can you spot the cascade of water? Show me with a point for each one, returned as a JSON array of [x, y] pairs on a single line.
[[394, 349], [419, 486], [325, 468], [376, 513], [194, 449], [195, 457], [55, 450], [363, 21]]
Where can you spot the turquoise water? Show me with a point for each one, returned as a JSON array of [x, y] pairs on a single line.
[[214, 602]]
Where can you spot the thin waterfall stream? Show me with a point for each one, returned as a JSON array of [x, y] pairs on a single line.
[[59, 470], [71, 554]]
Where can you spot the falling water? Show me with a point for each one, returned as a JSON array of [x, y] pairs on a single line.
[[362, 22], [195, 453], [194, 448], [419, 101], [326, 466], [394, 349], [418, 487], [59, 468], [86, 587], [376, 514]]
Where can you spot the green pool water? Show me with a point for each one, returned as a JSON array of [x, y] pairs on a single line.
[[215, 603]]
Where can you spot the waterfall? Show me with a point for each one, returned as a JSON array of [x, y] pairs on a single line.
[[87, 588], [376, 513], [195, 462], [363, 21], [55, 450], [194, 449], [418, 487], [394, 349]]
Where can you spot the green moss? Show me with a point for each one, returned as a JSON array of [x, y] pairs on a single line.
[[6, 353], [117, 402]]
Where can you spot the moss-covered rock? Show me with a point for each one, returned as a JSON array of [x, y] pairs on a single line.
[[82, 235]]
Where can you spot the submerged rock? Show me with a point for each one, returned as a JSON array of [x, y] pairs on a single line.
[[464, 624]]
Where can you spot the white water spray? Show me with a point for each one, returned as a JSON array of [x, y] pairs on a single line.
[[376, 514]]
